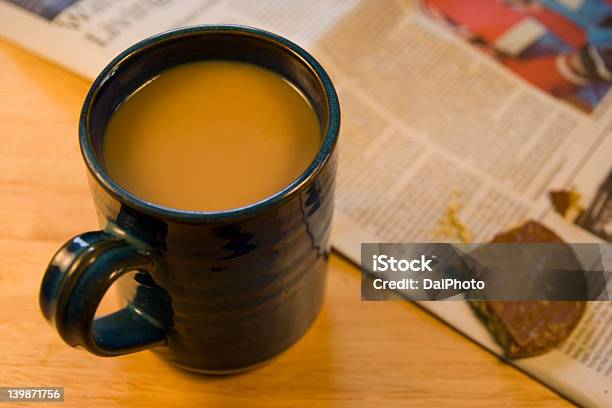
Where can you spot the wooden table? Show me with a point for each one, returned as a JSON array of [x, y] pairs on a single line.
[[356, 354]]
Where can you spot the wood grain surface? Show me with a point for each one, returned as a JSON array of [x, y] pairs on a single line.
[[356, 354]]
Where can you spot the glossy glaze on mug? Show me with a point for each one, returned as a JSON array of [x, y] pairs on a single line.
[[242, 290], [229, 289]]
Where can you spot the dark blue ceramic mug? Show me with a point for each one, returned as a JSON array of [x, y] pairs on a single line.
[[214, 292]]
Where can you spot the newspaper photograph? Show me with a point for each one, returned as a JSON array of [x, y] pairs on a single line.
[[558, 47]]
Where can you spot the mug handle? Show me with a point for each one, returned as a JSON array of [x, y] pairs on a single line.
[[75, 282]]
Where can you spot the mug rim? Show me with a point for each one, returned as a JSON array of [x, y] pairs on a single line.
[[328, 143]]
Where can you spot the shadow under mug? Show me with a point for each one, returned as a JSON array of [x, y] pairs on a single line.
[[213, 292]]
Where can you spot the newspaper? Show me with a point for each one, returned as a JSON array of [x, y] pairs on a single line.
[[439, 114]]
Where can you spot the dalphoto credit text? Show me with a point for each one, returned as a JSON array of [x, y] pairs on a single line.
[[441, 284]]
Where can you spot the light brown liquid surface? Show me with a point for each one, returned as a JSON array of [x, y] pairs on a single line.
[[210, 136]]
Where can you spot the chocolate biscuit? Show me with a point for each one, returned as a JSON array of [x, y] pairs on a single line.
[[528, 328]]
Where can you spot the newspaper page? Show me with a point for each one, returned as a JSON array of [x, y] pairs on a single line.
[[452, 131], [432, 122]]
